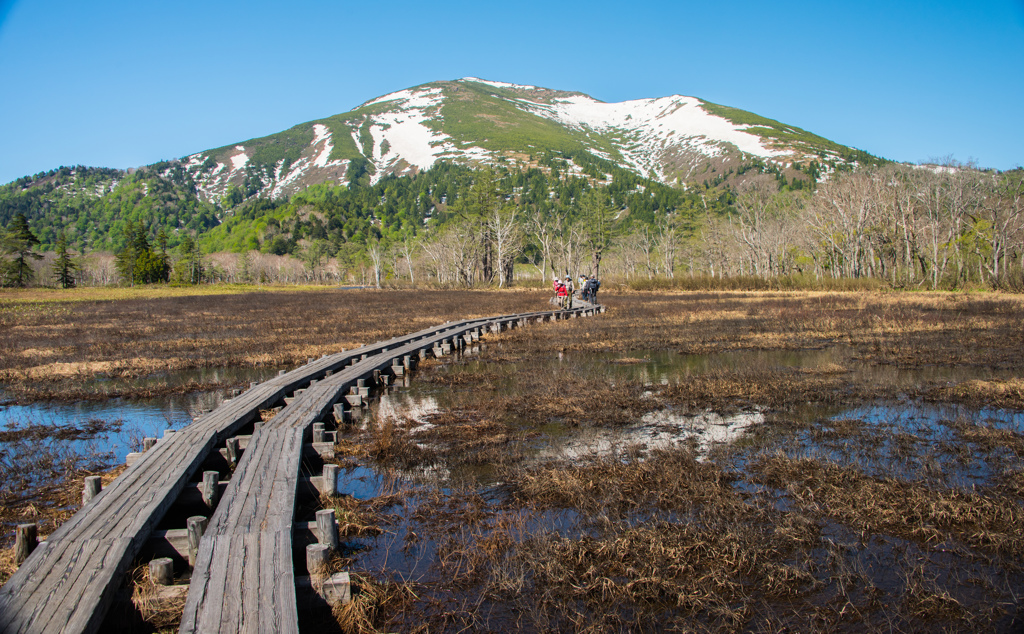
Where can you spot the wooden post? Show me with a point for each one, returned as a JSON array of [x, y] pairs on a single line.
[[196, 526], [93, 485], [211, 488], [148, 443], [168, 432], [329, 480], [233, 451], [317, 556], [339, 413], [161, 571], [318, 432], [25, 541], [407, 361], [360, 382], [327, 529]]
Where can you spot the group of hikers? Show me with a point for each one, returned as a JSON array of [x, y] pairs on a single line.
[[565, 290]]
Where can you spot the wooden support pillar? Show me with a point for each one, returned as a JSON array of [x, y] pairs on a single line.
[[317, 557], [407, 362], [329, 480], [327, 529], [148, 443], [233, 451], [211, 488], [161, 571], [339, 414], [168, 433], [26, 539], [92, 487], [318, 432], [196, 526]]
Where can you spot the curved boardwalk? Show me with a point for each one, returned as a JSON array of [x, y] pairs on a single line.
[[243, 578]]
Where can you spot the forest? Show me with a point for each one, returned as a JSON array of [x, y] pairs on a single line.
[[904, 226]]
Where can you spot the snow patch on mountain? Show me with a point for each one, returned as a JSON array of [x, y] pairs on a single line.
[[321, 135], [238, 161], [648, 129], [402, 133], [411, 98], [499, 84]]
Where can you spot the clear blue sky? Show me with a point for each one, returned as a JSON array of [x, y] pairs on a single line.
[[117, 84]]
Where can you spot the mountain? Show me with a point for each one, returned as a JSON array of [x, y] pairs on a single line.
[[649, 153], [674, 140]]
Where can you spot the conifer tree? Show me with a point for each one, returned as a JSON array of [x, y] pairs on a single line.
[[64, 267], [19, 241]]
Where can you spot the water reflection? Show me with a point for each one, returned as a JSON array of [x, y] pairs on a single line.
[[878, 443], [135, 418]]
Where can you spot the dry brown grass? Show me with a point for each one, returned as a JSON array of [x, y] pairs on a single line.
[[906, 328], [373, 603], [49, 504], [54, 345], [986, 520], [159, 611], [1007, 394]]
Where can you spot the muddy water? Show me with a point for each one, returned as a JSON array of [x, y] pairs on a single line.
[[412, 407], [902, 438], [126, 421]]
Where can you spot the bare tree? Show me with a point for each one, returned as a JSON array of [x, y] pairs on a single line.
[[408, 248], [544, 233], [508, 241], [669, 239], [376, 252]]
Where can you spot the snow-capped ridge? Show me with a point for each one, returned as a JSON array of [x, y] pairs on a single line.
[[673, 139]]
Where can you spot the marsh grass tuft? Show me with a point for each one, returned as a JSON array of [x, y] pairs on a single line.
[[373, 602], [157, 609]]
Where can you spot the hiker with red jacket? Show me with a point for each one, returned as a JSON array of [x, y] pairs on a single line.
[[562, 291]]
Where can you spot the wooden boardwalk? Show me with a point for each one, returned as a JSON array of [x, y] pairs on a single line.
[[243, 578]]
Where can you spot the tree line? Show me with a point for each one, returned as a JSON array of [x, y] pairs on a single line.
[[942, 226]]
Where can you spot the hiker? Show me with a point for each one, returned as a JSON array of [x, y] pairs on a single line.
[[595, 284], [561, 291], [588, 290], [569, 290]]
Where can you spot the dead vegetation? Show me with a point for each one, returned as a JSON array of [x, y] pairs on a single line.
[[812, 522], [56, 346], [818, 519]]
